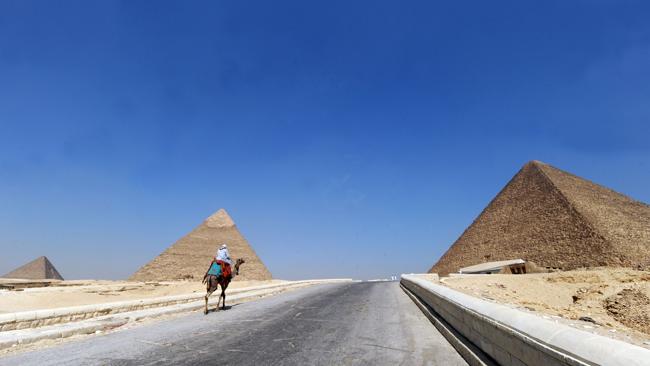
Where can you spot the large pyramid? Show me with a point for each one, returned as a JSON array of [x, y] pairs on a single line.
[[39, 269], [554, 219], [190, 256]]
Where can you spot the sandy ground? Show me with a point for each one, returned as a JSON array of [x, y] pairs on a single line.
[[612, 302], [74, 293]]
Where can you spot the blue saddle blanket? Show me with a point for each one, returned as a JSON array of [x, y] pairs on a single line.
[[215, 269]]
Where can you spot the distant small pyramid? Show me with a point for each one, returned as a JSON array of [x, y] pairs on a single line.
[[190, 256], [39, 269], [555, 219]]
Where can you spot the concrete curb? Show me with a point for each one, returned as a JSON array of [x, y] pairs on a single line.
[[102, 323], [27, 336], [39, 318], [514, 337]]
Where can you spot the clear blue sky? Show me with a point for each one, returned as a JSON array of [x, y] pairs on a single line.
[[346, 138]]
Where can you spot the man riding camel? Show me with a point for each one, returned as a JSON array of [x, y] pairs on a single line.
[[223, 259], [220, 274]]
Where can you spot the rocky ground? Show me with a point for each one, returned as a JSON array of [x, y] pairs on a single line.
[[610, 301], [73, 293]]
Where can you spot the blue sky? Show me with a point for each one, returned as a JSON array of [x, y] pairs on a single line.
[[346, 139]]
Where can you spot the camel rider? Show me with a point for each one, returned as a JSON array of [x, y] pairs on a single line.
[[223, 259]]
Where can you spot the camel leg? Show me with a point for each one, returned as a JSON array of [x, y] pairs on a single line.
[[218, 302], [205, 311], [224, 286], [219, 299], [210, 290]]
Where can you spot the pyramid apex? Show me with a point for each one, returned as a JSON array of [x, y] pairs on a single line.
[[220, 219], [535, 163]]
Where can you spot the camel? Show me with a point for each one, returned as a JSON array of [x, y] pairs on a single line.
[[213, 282]]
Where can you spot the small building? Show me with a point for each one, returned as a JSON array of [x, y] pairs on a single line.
[[513, 266]]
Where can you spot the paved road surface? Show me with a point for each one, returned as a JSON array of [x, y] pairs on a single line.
[[337, 324]]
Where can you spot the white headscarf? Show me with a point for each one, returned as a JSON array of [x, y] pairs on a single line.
[[223, 255]]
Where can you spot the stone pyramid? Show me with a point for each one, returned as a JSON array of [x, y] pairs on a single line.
[[39, 269], [554, 219], [190, 256]]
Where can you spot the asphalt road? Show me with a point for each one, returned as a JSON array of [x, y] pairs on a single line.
[[368, 323]]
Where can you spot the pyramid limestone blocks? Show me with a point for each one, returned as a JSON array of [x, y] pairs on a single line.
[[554, 219], [190, 256], [219, 219], [39, 269]]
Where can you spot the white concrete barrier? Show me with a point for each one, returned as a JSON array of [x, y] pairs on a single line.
[[45, 317], [27, 336], [514, 337]]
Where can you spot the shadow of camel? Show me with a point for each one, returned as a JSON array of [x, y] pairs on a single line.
[[228, 307]]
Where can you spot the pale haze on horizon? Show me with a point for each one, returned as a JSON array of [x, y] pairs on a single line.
[[344, 139]]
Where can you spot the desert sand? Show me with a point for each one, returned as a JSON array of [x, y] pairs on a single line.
[[86, 292], [611, 301]]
